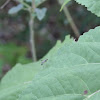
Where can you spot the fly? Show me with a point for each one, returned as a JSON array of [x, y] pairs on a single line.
[[44, 61]]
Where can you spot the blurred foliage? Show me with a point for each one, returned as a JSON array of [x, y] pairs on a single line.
[[10, 54]]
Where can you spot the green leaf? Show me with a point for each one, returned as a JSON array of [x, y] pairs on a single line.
[[72, 70], [17, 79], [40, 13], [15, 9]]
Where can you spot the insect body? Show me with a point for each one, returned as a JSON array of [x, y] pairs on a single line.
[[44, 61]]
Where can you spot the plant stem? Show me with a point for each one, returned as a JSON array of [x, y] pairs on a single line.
[[70, 19], [74, 28], [25, 4], [32, 34], [5, 4]]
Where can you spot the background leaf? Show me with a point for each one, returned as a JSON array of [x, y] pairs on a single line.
[[40, 13], [15, 9]]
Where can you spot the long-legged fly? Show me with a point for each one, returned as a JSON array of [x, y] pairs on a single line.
[[43, 61]]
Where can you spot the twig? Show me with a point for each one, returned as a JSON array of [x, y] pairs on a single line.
[[25, 4], [32, 34], [75, 29], [4, 4], [70, 19]]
